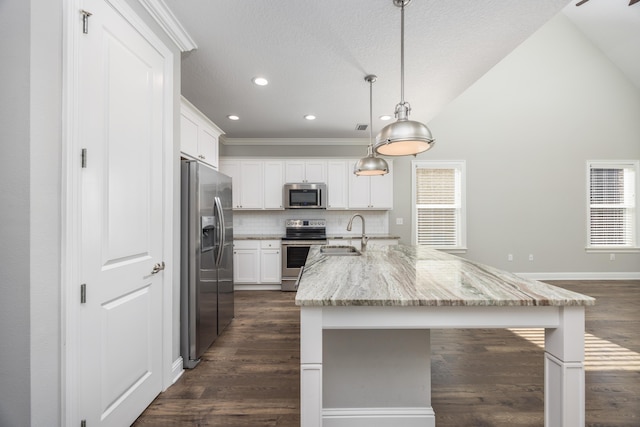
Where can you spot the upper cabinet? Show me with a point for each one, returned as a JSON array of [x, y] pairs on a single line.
[[371, 192], [257, 184], [273, 182], [198, 135], [306, 171], [338, 183]]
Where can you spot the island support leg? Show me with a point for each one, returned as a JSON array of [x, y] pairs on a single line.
[[311, 367], [564, 399]]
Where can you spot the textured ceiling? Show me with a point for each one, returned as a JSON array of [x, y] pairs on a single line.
[[317, 53]]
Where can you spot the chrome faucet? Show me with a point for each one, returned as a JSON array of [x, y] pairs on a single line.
[[365, 239]]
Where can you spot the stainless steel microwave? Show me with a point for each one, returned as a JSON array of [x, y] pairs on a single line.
[[305, 196]]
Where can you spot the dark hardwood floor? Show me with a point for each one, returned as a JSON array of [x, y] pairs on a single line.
[[483, 377]]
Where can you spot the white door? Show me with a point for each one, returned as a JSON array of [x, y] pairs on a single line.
[[121, 114]]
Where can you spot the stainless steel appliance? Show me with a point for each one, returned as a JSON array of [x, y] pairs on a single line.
[[305, 196], [206, 280], [301, 234]]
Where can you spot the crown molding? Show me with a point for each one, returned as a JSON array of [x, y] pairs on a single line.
[[294, 141], [161, 13]]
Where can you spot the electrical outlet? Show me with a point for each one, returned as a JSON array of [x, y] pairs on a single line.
[[530, 257], [510, 257], [399, 221]]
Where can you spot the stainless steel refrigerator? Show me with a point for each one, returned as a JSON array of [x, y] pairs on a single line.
[[206, 259]]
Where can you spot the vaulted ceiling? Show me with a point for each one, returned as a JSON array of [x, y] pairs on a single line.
[[316, 54]]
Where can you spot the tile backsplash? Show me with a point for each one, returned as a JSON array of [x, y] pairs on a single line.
[[272, 222]]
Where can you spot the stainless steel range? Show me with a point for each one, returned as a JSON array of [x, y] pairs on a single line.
[[301, 234]]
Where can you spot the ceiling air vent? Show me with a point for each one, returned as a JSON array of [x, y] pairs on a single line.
[[362, 127]]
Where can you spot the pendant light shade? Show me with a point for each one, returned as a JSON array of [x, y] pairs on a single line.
[[404, 137], [371, 165]]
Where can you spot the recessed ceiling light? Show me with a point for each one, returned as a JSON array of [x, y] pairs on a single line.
[[260, 81], [233, 117], [385, 117], [310, 117]]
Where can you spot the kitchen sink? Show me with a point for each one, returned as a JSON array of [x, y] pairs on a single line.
[[339, 250]]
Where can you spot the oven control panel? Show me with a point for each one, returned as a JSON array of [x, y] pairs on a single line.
[[301, 223]]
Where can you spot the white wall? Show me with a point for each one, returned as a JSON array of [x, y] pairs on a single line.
[[14, 214], [45, 212]]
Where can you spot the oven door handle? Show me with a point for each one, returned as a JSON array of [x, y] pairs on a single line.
[[304, 244]]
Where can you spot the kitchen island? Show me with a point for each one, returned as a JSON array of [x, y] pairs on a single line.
[[365, 326]]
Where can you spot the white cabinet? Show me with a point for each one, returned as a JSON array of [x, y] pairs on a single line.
[[198, 135], [306, 171], [256, 262], [257, 184], [273, 182], [371, 192], [270, 261], [338, 183], [246, 261], [248, 182]]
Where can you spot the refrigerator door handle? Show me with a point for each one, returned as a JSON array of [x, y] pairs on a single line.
[[221, 230]]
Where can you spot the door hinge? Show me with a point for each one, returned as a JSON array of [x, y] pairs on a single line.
[[83, 423], [85, 21], [83, 293], [84, 158]]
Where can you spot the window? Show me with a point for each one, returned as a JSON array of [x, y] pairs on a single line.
[[439, 203], [612, 201]]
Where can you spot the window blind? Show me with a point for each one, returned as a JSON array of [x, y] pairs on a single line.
[[437, 195], [612, 205]]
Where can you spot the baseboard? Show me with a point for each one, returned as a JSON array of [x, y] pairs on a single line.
[[256, 287], [176, 370], [631, 275], [378, 417]]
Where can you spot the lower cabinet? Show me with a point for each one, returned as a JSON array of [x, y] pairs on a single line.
[[246, 261], [256, 262]]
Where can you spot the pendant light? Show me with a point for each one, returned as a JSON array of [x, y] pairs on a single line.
[[371, 165], [404, 137]]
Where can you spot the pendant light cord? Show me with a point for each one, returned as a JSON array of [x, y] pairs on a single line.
[[370, 112], [402, 53]]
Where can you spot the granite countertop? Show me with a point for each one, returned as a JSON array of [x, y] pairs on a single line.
[[358, 236], [257, 236], [401, 275], [329, 236]]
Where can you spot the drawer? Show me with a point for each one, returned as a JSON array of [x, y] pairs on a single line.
[[270, 244], [246, 244]]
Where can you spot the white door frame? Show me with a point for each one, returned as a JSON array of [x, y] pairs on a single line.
[[71, 206]]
